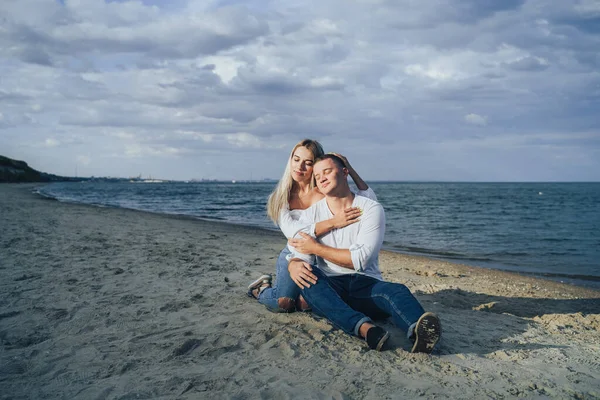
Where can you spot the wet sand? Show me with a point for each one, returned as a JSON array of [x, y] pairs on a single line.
[[103, 303]]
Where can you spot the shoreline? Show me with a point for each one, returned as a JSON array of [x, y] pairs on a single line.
[[110, 303], [584, 281]]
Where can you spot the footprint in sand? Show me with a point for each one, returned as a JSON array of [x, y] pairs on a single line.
[[9, 314], [24, 341], [15, 367], [175, 306], [57, 314], [129, 299], [187, 346], [280, 342], [69, 378], [201, 300], [589, 363], [222, 345]]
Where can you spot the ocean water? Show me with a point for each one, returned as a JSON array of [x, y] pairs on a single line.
[[544, 229]]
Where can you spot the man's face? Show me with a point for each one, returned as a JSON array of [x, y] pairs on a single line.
[[328, 175]]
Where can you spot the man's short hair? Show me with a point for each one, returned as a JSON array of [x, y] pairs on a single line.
[[338, 161]]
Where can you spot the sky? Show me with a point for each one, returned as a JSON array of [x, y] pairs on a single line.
[[443, 90]]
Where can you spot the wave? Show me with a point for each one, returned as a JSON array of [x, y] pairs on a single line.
[[45, 196], [439, 253], [202, 216], [556, 240], [593, 278]]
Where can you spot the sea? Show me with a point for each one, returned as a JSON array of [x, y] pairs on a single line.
[[548, 230]]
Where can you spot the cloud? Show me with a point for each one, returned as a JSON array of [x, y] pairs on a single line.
[[50, 142], [168, 87], [475, 119], [83, 160], [246, 140]]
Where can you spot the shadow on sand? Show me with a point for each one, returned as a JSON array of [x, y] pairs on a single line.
[[476, 323]]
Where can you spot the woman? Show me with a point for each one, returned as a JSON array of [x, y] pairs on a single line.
[[296, 191]]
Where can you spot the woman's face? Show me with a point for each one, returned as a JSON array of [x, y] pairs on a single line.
[[302, 164]]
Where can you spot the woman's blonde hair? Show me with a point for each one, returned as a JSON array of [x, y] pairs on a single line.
[[280, 196]]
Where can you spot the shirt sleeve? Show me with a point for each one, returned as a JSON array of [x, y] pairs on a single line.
[[290, 226], [309, 258], [370, 237], [369, 194], [304, 222]]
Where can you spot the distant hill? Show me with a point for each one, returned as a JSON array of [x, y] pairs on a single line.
[[18, 171]]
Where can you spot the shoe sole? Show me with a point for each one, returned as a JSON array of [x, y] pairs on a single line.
[[263, 279], [382, 341], [428, 333]]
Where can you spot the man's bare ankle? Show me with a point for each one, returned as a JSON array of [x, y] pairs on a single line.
[[364, 328]]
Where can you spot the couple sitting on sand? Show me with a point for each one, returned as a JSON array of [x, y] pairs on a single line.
[[331, 263]]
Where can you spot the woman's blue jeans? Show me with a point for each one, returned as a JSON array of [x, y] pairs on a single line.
[[348, 301], [281, 297]]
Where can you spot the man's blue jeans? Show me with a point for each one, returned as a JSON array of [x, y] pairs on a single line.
[[283, 288], [348, 301]]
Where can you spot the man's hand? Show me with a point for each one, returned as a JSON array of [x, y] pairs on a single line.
[[301, 273], [307, 245]]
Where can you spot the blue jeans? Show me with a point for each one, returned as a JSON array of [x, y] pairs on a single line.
[[348, 301], [284, 288]]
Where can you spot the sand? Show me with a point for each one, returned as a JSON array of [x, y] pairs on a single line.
[[102, 303]]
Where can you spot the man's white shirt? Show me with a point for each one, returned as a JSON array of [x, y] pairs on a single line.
[[363, 238], [291, 221]]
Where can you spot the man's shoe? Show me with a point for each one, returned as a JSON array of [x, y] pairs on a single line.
[[427, 333], [376, 338]]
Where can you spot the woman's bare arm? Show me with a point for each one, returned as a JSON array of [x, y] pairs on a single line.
[[360, 184]]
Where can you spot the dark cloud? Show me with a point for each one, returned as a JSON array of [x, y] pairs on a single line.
[[471, 11], [68, 33], [13, 98], [589, 23], [35, 56], [527, 64], [590, 59], [431, 13]]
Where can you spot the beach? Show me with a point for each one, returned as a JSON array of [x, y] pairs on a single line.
[[108, 303]]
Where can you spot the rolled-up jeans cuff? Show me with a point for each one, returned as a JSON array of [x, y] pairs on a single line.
[[359, 323]]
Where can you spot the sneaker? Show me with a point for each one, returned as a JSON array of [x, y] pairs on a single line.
[[427, 333], [376, 338], [258, 284]]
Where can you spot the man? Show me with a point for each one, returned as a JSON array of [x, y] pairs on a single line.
[[340, 279]]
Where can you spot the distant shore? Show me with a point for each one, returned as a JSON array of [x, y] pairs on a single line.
[[109, 303]]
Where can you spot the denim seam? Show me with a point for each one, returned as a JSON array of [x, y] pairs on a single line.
[[387, 298]]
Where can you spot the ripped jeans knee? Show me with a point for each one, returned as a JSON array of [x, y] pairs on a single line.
[[286, 304]]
